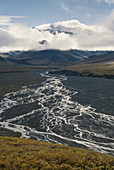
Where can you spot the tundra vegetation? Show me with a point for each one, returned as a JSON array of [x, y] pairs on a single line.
[[18, 153], [94, 66]]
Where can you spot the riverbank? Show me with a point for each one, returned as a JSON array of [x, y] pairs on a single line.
[[14, 81], [82, 74], [10, 133], [86, 69]]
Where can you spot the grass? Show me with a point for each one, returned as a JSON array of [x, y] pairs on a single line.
[[25, 154], [96, 68], [105, 70]]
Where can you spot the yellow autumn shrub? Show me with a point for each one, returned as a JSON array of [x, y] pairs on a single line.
[[25, 154]]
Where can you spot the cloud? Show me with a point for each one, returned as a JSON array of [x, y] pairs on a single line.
[[6, 39], [107, 1], [109, 21], [64, 7], [96, 41], [64, 35], [7, 20]]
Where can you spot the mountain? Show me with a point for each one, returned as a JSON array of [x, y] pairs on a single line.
[[93, 66], [71, 27], [104, 58], [7, 66], [2, 59], [51, 57], [46, 57], [10, 54], [82, 55]]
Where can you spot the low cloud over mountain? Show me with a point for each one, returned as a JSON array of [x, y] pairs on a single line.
[[64, 35]]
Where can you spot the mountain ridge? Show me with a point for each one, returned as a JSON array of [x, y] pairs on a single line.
[[52, 57], [93, 66]]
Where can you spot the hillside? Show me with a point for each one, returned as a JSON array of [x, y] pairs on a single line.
[[104, 58], [18, 60], [45, 58], [93, 66], [11, 54], [11, 65], [51, 58], [13, 76], [19, 153], [7, 66]]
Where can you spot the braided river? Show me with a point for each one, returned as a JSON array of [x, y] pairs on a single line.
[[75, 111]]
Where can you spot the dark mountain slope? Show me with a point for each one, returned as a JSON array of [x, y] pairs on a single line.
[[79, 54], [45, 57], [2, 59], [108, 57], [10, 54], [51, 57], [8, 66]]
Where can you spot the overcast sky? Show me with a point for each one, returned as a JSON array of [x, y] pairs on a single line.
[[18, 16]]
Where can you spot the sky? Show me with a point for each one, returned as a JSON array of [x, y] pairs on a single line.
[[37, 12], [19, 16]]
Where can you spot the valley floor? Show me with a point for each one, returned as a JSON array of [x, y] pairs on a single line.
[[101, 70], [14, 81]]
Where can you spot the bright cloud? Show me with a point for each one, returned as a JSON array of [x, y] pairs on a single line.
[[109, 21], [64, 35], [6, 20]]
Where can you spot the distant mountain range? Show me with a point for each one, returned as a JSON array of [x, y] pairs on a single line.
[[73, 62], [103, 58], [49, 57], [10, 54]]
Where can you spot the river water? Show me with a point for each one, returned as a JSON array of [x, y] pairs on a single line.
[[69, 110]]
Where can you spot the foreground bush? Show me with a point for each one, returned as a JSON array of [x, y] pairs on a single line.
[[16, 153]]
